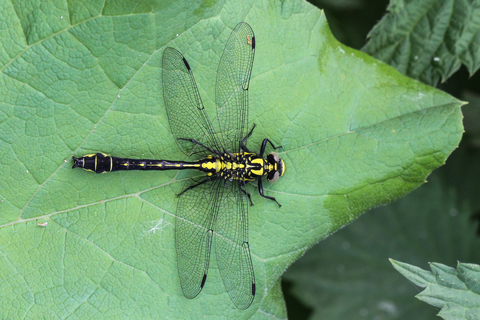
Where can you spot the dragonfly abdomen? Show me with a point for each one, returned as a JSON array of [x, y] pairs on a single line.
[[101, 163]]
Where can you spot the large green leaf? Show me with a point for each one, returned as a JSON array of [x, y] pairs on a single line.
[[85, 77]]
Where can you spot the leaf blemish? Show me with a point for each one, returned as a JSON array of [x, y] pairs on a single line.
[[159, 225]]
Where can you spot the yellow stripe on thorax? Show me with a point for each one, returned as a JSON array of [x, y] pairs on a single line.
[[259, 162]]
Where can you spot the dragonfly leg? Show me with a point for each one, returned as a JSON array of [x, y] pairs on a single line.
[[260, 190], [196, 185], [248, 194], [242, 143], [264, 144]]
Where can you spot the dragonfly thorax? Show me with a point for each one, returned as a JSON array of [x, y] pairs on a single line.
[[245, 166]]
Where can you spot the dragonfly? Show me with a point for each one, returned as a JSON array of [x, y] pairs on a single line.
[[212, 210]]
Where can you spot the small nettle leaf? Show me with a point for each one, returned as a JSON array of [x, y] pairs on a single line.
[[428, 40], [455, 291]]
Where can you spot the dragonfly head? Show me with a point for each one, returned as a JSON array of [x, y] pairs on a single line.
[[278, 167]]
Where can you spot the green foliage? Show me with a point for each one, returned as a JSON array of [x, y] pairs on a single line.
[[456, 292], [429, 39], [84, 78]]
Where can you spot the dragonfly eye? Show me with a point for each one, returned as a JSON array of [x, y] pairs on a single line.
[[273, 177], [273, 158]]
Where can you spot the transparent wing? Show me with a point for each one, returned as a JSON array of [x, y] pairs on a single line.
[[231, 89], [194, 232], [232, 248], [186, 114]]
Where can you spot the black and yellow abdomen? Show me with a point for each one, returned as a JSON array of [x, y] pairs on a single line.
[[101, 163]]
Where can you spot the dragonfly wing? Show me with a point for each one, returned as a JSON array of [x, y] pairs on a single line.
[[186, 114], [231, 89], [194, 232], [232, 248]]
